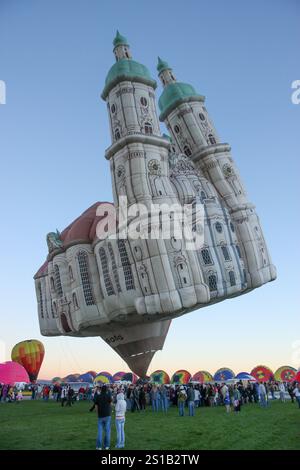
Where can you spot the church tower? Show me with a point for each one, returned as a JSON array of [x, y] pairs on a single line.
[[183, 111]]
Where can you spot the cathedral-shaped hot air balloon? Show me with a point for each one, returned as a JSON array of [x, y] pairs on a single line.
[[127, 290]]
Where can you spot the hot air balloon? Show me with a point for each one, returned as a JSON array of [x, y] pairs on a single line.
[[181, 377], [87, 377], [30, 354], [92, 372], [103, 378], [130, 377], [71, 378], [297, 377], [223, 374], [262, 373], [12, 372], [285, 374], [118, 376], [57, 380], [202, 377], [127, 289], [245, 376], [159, 377]]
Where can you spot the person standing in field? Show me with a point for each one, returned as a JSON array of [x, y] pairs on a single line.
[[262, 395], [103, 406], [282, 391], [297, 394], [191, 400], [181, 400], [120, 410]]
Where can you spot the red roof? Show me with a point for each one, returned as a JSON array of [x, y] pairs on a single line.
[[81, 230]]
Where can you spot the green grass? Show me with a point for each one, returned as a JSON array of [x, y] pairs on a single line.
[[39, 425]]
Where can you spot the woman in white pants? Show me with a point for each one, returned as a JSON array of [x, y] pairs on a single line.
[[120, 420]]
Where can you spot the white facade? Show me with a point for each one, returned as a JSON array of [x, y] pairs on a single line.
[[128, 291]]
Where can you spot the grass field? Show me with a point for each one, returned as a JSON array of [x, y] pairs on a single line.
[[39, 425]]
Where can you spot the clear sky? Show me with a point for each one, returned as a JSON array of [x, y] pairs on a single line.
[[54, 56]]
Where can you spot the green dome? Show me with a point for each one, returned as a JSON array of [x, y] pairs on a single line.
[[127, 69], [119, 39], [175, 94]]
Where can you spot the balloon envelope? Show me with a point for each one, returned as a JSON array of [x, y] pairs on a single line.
[[202, 377], [118, 376], [92, 372], [297, 377], [262, 373], [57, 380], [181, 377], [245, 376], [30, 354], [223, 374], [103, 378], [130, 377], [87, 377], [71, 378], [12, 372], [159, 377], [285, 374]]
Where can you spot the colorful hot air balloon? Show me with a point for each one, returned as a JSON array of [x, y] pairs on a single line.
[[12, 372], [181, 377], [223, 374], [245, 376], [92, 372], [297, 377], [57, 380], [103, 378], [71, 378], [87, 377], [30, 354], [130, 377], [262, 373], [285, 374], [160, 377], [202, 377], [118, 376]]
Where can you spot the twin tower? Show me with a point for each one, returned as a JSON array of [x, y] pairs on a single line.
[[128, 291]]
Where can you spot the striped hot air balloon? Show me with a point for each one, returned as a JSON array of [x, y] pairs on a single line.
[[30, 354], [159, 377], [181, 377], [118, 376], [103, 378], [202, 377]]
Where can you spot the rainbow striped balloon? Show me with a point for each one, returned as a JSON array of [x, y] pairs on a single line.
[[181, 377], [285, 374], [202, 377], [160, 377]]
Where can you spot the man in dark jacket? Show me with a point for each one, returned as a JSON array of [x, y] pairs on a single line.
[[191, 400], [103, 405]]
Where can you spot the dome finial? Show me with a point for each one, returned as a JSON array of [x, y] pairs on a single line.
[[162, 65], [120, 40]]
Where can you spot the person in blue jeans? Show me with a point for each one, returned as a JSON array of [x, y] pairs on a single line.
[[164, 398], [181, 400], [120, 420], [191, 400], [154, 398], [103, 402]]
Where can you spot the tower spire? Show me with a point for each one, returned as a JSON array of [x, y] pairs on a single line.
[[165, 72], [121, 47]]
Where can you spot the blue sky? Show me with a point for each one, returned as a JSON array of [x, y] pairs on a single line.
[[54, 56]]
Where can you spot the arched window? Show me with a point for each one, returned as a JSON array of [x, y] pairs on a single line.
[[148, 128], [238, 251], [75, 301], [143, 101], [129, 281], [117, 134], [232, 278], [231, 226], [211, 139], [245, 276], [219, 227], [85, 278], [41, 301], [176, 129], [107, 281], [225, 253], [203, 196], [212, 282], [187, 151], [206, 256], [58, 286], [114, 267], [52, 284], [113, 108], [201, 116], [55, 308], [71, 273]]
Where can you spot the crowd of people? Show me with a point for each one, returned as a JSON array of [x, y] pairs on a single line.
[[137, 397]]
